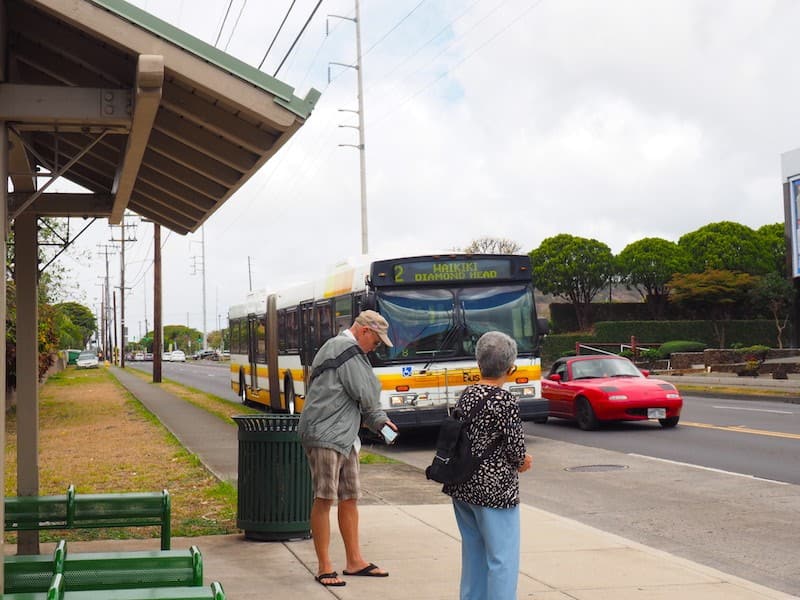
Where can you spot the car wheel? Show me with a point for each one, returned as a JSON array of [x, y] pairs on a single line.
[[584, 414], [288, 394], [242, 388], [669, 422], [540, 421]]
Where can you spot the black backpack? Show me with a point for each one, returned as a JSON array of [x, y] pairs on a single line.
[[454, 461]]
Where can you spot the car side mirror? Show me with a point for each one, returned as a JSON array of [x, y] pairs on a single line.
[[645, 372], [555, 377]]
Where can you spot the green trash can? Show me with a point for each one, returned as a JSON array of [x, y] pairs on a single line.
[[275, 492]]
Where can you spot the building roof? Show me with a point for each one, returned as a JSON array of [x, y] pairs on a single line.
[[136, 112]]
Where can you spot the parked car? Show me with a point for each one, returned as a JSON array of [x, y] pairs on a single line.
[[138, 356], [598, 388], [87, 360], [166, 356], [178, 356], [200, 354]]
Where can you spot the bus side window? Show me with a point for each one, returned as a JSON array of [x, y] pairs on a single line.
[[292, 331], [344, 313], [261, 339], [282, 341], [324, 323]]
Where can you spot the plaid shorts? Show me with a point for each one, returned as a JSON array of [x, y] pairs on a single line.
[[334, 475]]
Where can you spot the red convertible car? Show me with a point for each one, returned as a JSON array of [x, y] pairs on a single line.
[[596, 388]]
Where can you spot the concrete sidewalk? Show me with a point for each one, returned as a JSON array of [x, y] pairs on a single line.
[[408, 528]]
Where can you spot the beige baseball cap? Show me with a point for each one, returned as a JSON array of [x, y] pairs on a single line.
[[372, 320]]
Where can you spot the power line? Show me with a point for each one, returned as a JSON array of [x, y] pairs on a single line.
[[235, 25], [396, 25], [297, 39], [286, 16], [222, 25]]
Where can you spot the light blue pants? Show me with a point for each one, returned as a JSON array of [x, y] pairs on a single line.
[[489, 551]]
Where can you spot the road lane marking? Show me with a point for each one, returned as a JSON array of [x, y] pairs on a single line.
[[743, 429], [712, 469], [777, 412]]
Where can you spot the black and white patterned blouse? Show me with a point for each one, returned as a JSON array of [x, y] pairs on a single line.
[[495, 483]]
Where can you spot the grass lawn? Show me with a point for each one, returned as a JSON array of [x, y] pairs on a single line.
[[95, 435]]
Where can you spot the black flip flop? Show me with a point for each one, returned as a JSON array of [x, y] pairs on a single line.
[[331, 575], [368, 571]]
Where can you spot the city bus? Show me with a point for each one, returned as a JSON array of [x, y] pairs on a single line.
[[437, 307]]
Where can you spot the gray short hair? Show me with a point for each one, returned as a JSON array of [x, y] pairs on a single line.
[[496, 353]]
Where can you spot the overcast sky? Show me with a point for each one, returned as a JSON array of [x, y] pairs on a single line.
[[613, 119]]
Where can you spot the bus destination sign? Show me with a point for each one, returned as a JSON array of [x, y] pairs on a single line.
[[451, 270]]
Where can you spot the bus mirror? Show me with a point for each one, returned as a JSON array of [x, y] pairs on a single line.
[[370, 303], [543, 326]]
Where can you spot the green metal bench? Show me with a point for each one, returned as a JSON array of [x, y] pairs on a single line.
[[104, 570], [57, 591], [76, 511]]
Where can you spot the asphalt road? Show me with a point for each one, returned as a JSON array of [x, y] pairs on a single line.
[[713, 490]]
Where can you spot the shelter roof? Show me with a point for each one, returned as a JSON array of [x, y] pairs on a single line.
[[136, 112]]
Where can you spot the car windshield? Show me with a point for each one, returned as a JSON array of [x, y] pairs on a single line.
[[85, 355], [604, 367]]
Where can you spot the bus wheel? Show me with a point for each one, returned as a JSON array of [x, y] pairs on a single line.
[[288, 394], [242, 389]]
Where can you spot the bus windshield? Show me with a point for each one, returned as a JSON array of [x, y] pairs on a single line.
[[431, 323]]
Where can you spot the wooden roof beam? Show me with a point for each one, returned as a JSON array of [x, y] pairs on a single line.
[[149, 83]]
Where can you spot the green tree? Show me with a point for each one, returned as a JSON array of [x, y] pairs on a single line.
[[647, 265], [773, 244], [774, 293], [573, 268], [714, 293], [726, 246], [80, 317], [181, 337]]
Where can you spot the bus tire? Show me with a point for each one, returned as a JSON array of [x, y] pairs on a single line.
[[242, 388], [288, 396]]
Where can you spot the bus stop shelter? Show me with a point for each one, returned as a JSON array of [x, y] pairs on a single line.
[[142, 117]]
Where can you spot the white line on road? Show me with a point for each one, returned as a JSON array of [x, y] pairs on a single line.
[[777, 412], [713, 470]]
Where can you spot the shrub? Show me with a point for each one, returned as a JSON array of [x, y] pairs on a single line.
[[668, 348]]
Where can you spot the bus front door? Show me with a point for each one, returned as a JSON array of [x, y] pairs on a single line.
[[252, 341]]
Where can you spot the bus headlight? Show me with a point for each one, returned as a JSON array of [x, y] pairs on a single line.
[[523, 391], [396, 400]]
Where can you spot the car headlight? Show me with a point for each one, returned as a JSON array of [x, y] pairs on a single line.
[[673, 396], [618, 397]]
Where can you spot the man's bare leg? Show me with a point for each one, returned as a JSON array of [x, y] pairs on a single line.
[[348, 527], [321, 532]]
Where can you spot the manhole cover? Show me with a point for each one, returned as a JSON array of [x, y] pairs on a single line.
[[595, 468]]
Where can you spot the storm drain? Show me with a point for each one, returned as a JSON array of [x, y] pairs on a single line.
[[596, 468]]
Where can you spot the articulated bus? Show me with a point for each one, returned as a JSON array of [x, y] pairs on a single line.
[[437, 307]]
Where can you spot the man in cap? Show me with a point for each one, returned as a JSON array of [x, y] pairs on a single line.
[[343, 393]]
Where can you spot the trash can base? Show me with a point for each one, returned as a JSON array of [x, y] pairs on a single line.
[[277, 536]]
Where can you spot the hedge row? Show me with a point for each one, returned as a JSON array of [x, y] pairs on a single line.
[[745, 333]]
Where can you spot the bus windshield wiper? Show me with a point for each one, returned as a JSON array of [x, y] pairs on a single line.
[[446, 340]]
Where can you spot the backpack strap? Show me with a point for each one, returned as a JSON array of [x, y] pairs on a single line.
[[476, 410], [335, 363]]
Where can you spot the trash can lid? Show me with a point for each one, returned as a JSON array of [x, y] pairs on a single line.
[[267, 422]]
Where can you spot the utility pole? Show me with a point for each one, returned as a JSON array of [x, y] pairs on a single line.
[[360, 112], [249, 274], [203, 275], [123, 329], [158, 341], [107, 304]]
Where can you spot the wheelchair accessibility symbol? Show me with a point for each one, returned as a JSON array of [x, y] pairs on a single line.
[[406, 371]]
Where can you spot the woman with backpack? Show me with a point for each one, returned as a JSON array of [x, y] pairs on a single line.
[[487, 504]]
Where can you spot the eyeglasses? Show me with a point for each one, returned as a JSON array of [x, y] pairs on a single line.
[[512, 370]]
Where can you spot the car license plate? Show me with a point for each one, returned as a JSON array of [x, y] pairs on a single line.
[[656, 413]]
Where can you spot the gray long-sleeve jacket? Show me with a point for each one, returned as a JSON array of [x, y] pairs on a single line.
[[340, 399]]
